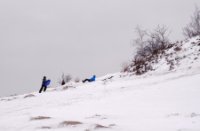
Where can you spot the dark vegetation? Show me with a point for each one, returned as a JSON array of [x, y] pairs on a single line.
[[149, 47], [40, 118], [68, 78], [70, 123], [152, 45], [65, 79], [193, 28]]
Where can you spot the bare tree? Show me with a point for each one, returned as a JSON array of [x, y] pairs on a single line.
[[193, 28]]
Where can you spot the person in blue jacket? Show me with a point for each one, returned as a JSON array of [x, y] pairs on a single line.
[[93, 78], [45, 83]]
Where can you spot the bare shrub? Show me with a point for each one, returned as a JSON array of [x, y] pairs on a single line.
[[77, 80], [141, 41], [149, 47], [68, 78], [65, 79], [125, 67], [159, 40], [193, 28], [151, 43], [171, 67]]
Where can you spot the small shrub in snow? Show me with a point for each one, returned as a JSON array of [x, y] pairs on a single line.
[[77, 80], [65, 79], [177, 48], [125, 68], [171, 67]]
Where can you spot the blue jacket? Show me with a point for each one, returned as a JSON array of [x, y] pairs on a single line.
[[92, 78], [46, 82]]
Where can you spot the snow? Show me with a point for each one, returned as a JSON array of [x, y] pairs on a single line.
[[187, 57], [160, 100]]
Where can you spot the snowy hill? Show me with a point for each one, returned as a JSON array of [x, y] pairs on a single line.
[[173, 56], [160, 100], [183, 55]]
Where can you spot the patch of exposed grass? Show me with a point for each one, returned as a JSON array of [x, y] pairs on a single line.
[[40, 118], [98, 126], [29, 95], [70, 123]]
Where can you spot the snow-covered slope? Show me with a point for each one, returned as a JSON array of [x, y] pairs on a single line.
[[177, 56], [160, 100], [182, 56]]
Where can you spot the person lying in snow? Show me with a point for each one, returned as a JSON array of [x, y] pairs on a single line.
[[90, 80], [45, 83]]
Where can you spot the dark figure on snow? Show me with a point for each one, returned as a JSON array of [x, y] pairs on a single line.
[[90, 80], [45, 83]]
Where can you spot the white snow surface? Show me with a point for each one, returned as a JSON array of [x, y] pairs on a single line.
[[160, 100]]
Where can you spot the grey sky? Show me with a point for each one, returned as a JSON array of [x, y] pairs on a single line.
[[80, 37]]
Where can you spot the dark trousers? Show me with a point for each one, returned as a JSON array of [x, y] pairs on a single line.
[[86, 80], [43, 87]]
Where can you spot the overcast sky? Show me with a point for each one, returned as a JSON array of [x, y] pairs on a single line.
[[80, 37]]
